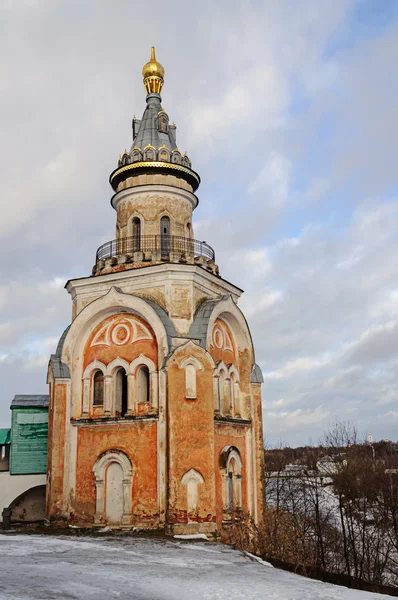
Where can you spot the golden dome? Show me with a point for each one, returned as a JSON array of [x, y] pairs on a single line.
[[153, 74]]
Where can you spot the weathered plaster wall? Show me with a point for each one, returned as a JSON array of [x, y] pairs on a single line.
[[191, 437], [12, 486], [30, 506], [138, 440], [56, 450]]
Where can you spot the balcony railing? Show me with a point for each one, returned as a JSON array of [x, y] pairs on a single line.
[[161, 247]]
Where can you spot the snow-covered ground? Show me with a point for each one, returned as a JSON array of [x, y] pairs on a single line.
[[63, 568]]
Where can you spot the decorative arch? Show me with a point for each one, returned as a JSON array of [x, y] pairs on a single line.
[[100, 469], [136, 155], [115, 364], [96, 365], [75, 339], [149, 152], [164, 153], [192, 479], [88, 385], [136, 394], [176, 157], [228, 311]]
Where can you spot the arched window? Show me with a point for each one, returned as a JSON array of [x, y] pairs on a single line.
[[143, 384], [120, 392], [164, 155], [224, 393], [149, 154], [165, 236], [163, 123], [231, 464], [136, 234], [98, 388]]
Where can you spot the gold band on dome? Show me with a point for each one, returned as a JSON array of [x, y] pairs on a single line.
[[159, 164]]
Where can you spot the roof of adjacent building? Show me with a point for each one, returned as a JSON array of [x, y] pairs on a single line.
[[30, 401], [5, 436]]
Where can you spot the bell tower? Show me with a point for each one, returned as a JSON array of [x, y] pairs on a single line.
[[154, 198], [155, 417]]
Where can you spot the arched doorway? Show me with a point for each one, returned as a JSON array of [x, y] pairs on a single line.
[[113, 473], [114, 493]]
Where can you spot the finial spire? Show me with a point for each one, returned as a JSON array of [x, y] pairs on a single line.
[[153, 74]]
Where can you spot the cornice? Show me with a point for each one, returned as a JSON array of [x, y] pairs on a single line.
[[150, 188], [154, 165]]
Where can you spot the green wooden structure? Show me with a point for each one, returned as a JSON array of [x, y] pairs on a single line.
[[5, 436], [29, 435]]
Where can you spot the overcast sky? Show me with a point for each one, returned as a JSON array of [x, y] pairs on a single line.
[[289, 111]]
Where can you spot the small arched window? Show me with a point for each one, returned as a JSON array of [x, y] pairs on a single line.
[[98, 388], [190, 382], [136, 234], [163, 123], [176, 157], [150, 154], [165, 236], [164, 155], [143, 384], [121, 402]]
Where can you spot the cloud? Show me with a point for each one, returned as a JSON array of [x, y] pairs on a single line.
[[290, 117]]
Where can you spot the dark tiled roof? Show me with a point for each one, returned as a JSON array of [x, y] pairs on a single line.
[[30, 400], [164, 317], [148, 132], [58, 351], [257, 375], [198, 329], [60, 369]]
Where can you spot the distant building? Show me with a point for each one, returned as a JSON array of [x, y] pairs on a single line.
[[23, 459]]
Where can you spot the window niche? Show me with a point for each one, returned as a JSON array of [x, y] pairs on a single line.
[[191, 366], [192, 479]]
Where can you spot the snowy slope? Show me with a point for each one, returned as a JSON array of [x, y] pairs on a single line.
[[44, 567]]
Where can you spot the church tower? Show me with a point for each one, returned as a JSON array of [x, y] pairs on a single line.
[[155, 417]]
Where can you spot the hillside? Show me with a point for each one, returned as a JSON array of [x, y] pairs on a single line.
[[43, 567]]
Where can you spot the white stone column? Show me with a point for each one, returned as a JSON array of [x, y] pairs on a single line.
[[86, 397], [237, 407], [130, 393], [99, 501], [216, 394], [126, 518], [108, 396], [162, 449], [154, 397]]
